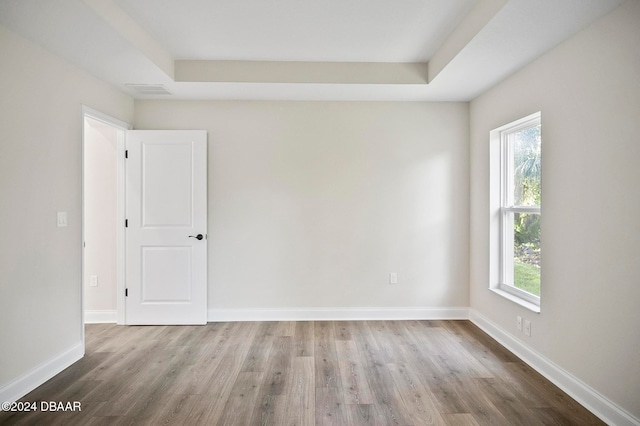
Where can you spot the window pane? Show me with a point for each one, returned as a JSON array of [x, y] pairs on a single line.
[[526, 252], [526, 166]]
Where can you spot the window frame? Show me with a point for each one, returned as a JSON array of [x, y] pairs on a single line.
[[503, 209]]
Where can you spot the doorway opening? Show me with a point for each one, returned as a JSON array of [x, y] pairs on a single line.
[[103, 140]]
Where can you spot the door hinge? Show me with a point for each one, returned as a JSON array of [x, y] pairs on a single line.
[[126, 153], [126, 292], [126, 223]]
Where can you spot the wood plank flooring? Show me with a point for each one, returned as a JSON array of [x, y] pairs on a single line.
[[301, 373]]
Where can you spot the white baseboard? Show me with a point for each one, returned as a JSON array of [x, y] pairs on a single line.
[[99, 317], [40, 374], [336, 314], [593, 401]]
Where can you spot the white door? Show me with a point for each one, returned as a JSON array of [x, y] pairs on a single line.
[[166, 227]]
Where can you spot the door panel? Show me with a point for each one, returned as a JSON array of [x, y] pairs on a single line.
[[166, 274], [166, 269], [167, 184]]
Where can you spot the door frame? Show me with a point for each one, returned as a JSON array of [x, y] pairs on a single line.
[[121, 128]]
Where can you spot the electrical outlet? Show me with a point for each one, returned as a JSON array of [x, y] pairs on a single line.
[[393, 278], [61, 219], [93, 281], [519, 322], [527, 327]]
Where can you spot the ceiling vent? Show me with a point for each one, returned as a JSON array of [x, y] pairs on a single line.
[[149, 89]]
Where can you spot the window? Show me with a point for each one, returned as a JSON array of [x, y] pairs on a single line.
[[518, 191]]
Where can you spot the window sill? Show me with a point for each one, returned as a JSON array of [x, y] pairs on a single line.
[[527, 305]]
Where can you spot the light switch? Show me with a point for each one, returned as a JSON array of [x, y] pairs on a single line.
[[93, 281], [62, 219]]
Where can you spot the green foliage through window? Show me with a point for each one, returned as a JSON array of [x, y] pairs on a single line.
[[527, 168]]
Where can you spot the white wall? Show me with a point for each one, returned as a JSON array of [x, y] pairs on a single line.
[[40, 173], [312, 204], [588, 90], [100, 192]]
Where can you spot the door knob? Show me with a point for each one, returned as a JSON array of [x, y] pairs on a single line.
[[198, 237]]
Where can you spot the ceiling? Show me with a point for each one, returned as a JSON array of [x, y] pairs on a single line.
[[294, 30], [397, 50]]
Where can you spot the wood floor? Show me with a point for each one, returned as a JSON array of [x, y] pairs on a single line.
[[301, 373]]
